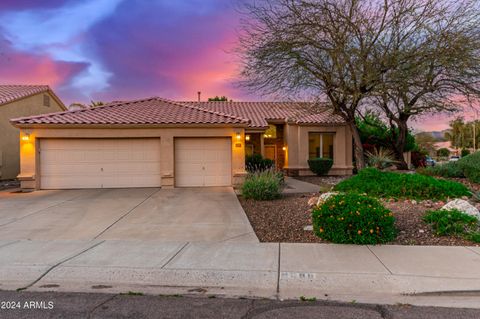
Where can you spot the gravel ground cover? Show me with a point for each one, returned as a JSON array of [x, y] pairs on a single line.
[[284, 219]]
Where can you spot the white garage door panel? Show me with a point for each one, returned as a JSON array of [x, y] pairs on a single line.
[[203, 162], [99, 163]]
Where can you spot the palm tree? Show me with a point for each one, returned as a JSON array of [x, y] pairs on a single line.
[[95, 103], [464, 134], [456, 133]]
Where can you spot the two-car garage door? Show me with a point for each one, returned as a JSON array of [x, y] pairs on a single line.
[[119, 163], [99, 163]]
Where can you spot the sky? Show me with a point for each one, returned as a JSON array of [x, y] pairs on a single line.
[[106, 50]]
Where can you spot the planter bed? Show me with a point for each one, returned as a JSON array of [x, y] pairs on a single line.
[[283, 220]]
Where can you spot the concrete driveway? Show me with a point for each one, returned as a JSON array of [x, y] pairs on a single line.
[[182, 214]]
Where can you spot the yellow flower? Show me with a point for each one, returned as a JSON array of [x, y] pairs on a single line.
[[359, 232], [371, 231], [321, 230]]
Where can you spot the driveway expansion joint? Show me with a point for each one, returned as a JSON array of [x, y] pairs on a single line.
[[175, 255], [10, 243], [379, 260], [40, 211], [473, 251], [58, 264], [126, 214], [237, 236], [278, 268]]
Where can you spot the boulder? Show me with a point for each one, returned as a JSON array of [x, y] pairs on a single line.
[[312, 201], [323, 197], [463, 206]]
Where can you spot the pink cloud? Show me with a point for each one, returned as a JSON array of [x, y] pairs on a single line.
[[21, 67]]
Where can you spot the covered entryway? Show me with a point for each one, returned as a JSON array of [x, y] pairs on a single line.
[[203, 162], [99, 163]]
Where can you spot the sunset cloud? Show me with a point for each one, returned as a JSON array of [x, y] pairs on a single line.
[[120, 49]]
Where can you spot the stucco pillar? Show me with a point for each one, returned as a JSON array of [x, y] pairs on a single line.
[[28, 160], [167, 155], [262, 148]]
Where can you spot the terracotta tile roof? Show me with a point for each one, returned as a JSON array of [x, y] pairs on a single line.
[[259, 113], [138, 112], [10, 93], [161, 111]]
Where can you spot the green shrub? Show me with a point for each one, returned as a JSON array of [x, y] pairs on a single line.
[[375, 183], [475, 237], [264, 185], [449, 170], [256, 163], [465, 152], [353, 219], [470, 166], [443, 152], [453, 222], [320, 165]]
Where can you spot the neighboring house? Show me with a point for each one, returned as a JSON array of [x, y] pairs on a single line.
[[156, 142], [16, 101]]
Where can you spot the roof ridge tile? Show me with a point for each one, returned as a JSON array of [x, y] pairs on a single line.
[[205, 110]]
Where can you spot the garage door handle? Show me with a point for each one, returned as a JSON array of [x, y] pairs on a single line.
[[203, 167], [101, 169]]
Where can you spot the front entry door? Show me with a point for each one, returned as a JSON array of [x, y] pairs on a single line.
[[271, 152]]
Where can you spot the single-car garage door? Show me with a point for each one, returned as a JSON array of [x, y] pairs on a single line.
[[99, 163], [203, 162]]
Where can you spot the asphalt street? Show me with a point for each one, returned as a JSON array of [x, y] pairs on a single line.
[[25, 304]]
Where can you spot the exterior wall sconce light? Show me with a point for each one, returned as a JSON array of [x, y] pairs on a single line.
[[247, 137], [26, 137], [239, 136], [284, 148]]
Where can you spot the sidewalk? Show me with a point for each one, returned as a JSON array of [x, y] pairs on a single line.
[[336, 272], [295, 186]]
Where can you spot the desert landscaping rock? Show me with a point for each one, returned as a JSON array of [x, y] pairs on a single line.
[[463, 206], [324, 197]]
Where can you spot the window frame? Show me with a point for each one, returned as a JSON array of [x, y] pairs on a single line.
[[321, 134]]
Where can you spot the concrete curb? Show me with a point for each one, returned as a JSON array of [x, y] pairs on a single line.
[[247, 269]]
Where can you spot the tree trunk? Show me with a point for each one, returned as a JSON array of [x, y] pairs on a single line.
[[358, 146], [399, 144]]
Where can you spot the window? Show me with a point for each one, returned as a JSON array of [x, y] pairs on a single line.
[[271, 132], [320, 145], [46, 100]]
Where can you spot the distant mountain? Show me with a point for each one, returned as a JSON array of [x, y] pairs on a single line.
[[438, 136]]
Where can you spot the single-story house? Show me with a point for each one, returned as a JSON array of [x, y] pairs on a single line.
[[17, 101], [157, 142]]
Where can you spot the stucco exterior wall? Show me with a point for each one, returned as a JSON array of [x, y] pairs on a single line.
[[30, 165], [296, 137], [9, 135]]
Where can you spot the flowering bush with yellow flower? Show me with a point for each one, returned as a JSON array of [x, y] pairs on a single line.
[[353, 219]]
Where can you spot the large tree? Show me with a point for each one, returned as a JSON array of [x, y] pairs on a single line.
[[356, 52], [322, 48], [435, 54]]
